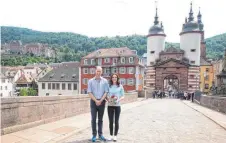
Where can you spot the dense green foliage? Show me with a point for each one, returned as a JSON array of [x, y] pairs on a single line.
[[71, 46], [216, 46], [23, 60], [28, 92], [23, 92]]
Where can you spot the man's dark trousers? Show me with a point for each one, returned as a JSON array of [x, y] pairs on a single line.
[[94, 110]]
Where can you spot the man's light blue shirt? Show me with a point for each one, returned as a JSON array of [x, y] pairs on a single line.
[[98, 87]]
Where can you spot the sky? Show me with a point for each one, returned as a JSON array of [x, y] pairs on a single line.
[[97, 18]]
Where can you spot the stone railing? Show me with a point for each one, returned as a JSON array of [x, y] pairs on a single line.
[[20, 113], [214, 102]]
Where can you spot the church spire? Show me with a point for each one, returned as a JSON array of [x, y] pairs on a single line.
[[156, 22], [199, 17], [191, 17]]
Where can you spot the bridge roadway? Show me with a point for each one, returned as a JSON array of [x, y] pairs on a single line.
[[161, 121]]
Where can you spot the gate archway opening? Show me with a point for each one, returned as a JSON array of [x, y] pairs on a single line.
[[171, 83]]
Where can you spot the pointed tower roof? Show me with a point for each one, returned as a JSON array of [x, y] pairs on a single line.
[[157, 28], [191, 17], [190, 25], [156, 22], [199, 17]]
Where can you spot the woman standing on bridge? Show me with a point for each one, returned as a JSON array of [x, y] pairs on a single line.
[[116, 94]]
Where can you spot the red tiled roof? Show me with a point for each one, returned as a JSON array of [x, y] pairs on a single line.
[[24, 79], [204, 62], [111, 52]]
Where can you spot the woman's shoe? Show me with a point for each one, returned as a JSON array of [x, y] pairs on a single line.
[[111, 138], [115, 139]]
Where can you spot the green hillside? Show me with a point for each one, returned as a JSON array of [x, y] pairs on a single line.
[[71, 46]]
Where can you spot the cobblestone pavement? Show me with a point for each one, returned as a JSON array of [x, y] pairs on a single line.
[[161, 121]]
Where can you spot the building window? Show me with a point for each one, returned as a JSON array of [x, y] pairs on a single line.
[[49, 85], [47, 94], [123, 60], [43, 85], [84, 91], [131, 70], [3, 80], [106, 70], [99, 61], [192, 62], [92, 62], [192, 76], [63, 86], [69, 86], [92, 70], [85, 70], [122, 81], [1, 94], [58, 86], [207, 77], [130, 81], [206, 86], [152, 52], [115, 60], [85, 62], [53, 85], [5, 87], [190, 86], [85, 81], [114, 70], [151, 63], [75, 86], [193, 50], [122, 70], [131, 60], [207, 69], [107, 60]]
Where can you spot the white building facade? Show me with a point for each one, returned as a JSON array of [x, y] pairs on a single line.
[[60, 81], [6, 87], [58, 88]]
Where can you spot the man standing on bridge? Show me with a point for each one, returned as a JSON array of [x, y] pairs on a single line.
[[97, 90]]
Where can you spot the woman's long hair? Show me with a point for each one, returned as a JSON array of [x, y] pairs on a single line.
[[117, 82]]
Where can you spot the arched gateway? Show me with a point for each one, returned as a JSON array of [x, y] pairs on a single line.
[[171, 83], [171, 74]]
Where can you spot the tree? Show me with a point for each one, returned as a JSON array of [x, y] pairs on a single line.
[[65, 42], [23, 92], [32, 92]]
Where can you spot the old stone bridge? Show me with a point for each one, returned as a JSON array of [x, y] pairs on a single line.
[[51, 119]]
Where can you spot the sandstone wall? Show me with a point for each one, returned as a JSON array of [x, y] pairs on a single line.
[[214, 102], [24, 112]]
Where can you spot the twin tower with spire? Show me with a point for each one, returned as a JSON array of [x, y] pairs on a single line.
[[191, 39]]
